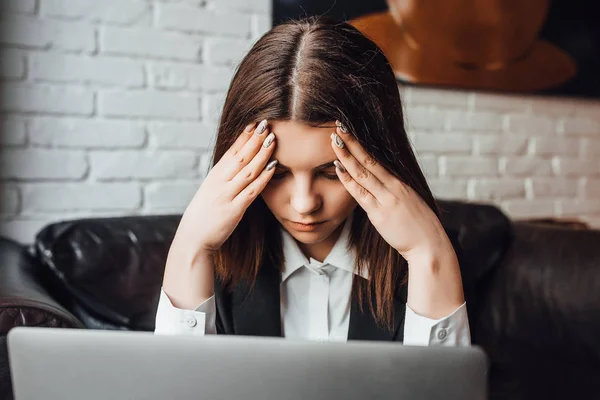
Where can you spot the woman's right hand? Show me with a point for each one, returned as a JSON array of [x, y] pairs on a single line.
[[229, 189], [215, 211]]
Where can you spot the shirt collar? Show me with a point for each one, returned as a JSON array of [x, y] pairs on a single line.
[[340, 256]]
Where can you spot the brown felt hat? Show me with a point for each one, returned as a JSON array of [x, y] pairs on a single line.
[[470, 44]]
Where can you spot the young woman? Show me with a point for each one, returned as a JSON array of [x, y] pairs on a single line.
[[315, 221]]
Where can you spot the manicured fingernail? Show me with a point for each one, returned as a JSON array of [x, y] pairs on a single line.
[[271, 165], [262, 127], [341, 126], [268, 140], [249, 127], [337, 140], [339, 166]]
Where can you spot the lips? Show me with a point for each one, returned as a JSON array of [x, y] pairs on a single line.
[[306, 226]]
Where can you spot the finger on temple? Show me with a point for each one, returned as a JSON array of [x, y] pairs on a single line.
[[246, 175], [246, 154]]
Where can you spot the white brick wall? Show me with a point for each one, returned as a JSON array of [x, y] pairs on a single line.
[[532, 156], [110, 108]]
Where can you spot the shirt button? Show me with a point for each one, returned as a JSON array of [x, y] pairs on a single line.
[[442, 333], [191, 321]]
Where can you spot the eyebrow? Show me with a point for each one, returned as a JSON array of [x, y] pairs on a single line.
[[319, 167]]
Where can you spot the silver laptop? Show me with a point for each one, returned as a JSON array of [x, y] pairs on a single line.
[[54, 364]]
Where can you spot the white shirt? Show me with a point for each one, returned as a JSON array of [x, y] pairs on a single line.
[[315, 303]]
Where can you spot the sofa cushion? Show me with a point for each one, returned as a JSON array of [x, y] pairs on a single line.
[[483, 234], [108, 271]]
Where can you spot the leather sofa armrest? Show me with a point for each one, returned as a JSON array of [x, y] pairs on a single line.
[[23, 299]]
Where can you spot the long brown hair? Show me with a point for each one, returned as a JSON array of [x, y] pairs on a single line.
[[314, 71]]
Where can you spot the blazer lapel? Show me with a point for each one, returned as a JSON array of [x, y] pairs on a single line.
[[363, 325], [257, 312]]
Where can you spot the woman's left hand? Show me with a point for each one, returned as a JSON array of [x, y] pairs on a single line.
[[398, 213], [407, 223]]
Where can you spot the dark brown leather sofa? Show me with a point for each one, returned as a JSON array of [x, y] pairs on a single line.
[[533, 291]]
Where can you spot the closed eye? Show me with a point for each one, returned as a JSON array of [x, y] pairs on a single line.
[[326, 171], [279, 175], [330, 174]]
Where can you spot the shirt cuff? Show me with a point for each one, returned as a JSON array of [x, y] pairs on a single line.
[[452, 330], [171, 320]]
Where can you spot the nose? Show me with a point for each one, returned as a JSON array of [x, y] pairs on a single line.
[[304, 199]]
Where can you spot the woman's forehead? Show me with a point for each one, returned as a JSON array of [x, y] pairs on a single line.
[[301, 146]]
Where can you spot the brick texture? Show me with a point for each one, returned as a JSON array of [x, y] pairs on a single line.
[[195, 20], [75, 69], [120, 12], [146, 104], [34, 33], [127, 165]]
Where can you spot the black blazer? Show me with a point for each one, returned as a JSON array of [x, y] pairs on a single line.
[[257, 312]]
